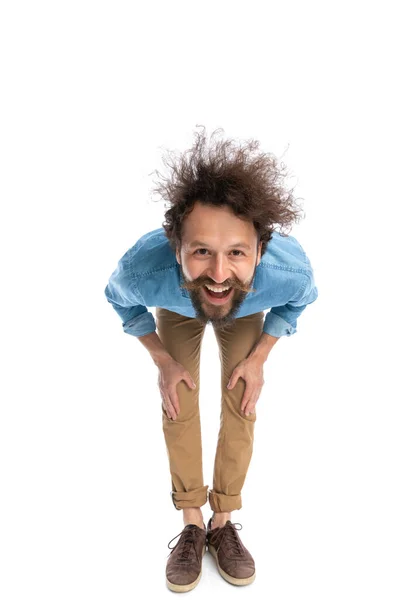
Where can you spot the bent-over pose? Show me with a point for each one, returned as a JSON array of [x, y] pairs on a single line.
[[219, 259]]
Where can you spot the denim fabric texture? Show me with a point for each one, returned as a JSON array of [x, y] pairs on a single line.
[[148, 275]]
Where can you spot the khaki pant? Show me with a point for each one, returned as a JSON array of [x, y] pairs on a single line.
[[182, 337]]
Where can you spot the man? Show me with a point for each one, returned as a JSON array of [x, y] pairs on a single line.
[[217, 259]]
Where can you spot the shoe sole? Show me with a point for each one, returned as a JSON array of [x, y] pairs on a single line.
[[228, 577], [174, 587]]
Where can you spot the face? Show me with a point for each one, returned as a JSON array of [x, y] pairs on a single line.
[[217, 249]]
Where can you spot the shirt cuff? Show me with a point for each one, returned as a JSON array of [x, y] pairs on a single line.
[[276, 326], [140, 325]]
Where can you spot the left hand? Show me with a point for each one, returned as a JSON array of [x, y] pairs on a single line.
[[251, 370]]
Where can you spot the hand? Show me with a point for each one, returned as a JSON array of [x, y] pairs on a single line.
[[251, 370], [170, 374]]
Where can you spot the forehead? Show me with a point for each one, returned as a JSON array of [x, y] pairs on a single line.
[[214, 225]]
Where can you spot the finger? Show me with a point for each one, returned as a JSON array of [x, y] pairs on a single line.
[[248, 393], [173, 396], [251, 405], [250, 409], [165, 406], [171, 409], [245, 401], [250, 396], [169, 406]]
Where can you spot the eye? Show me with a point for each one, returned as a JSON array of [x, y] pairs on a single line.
[[199, 249]]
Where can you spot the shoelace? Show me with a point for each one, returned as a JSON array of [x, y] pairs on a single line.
[[227, 534], [188, 542]]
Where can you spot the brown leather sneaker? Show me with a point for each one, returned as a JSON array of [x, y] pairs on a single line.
[[234, 561], [183, 570]]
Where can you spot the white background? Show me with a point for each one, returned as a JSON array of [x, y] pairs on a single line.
[[92, 93]]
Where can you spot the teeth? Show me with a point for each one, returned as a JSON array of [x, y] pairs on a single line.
[[215, 289]]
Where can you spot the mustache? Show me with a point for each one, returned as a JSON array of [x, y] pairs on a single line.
[[199, 283]]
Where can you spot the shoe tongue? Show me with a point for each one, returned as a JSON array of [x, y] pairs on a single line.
[[191, 525]]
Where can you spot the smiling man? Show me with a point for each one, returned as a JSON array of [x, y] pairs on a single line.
[[218, 259], [207, 239]]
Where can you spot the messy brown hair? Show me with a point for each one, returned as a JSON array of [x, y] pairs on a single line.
[[250, 183]]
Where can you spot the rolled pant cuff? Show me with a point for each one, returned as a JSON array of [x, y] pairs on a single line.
[[192, 498], [223, 503]]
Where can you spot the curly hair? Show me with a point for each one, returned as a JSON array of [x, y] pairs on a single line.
[[250, 183]]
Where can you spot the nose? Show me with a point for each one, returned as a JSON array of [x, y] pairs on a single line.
[[219, 269]]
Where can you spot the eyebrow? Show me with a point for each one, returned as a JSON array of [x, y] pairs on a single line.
[[203, 244]]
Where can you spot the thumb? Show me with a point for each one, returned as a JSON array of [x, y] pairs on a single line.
[[190, 382], [232, 381]]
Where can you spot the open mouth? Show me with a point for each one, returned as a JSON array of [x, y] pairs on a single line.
[[218, 297]]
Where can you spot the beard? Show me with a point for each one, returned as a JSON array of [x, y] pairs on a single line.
[[220, 316]]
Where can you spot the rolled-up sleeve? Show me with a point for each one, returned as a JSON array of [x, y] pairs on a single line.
[[122, 293], [282, 320]]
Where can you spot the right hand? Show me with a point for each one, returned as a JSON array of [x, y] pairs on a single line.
[[169, 375]]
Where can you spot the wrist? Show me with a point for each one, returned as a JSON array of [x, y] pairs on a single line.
[[258, 356], [262, 348], [161, 359]]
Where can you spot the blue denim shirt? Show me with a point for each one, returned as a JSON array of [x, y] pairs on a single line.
[[148, 274]]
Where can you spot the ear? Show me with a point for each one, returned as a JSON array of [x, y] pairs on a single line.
[[259, 253], [177, 254]]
